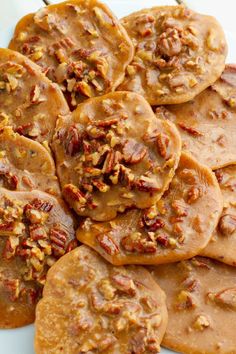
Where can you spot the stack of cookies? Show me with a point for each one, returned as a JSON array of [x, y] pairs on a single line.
[[140, 206]]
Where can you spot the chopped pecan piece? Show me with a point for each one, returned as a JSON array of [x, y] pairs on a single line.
[[124, 284], [147, 184], [225, 298], [185, 301], [194, 193], [162, 142], [201, 323], [162, 239], [135, 243], [73, 141], [108, 244], [37, 232], [152, 224], [190, 130], [227, 224]]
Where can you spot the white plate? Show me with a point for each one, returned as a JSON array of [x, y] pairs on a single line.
[[20, 341]]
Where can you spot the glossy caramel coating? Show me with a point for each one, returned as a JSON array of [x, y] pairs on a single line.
[[90, 306], [35, 230], [79, 44], [29, 102], [25, 164], [177, 227], [178, 53], [113, 153], [207, 123], [201, 304], [222, 245]]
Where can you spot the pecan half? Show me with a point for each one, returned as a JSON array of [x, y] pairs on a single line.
[[133, 152], [58, 238]]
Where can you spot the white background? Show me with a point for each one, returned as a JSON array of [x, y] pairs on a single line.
[[20, 341]]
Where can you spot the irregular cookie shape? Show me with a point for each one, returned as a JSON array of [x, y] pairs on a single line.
[[222, 245], [177, 228], [113, 153], [29, 102], [207, 124], [25, 164], [90, 306], [79, 44], [201, 304], [35, 230], [178, 53]]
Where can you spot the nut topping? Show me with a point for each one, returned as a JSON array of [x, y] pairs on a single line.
[[104, 165], [115, 310]]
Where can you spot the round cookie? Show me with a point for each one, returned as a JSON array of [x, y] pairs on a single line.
[[178, 53], [222, 245], [29, 102], [177, 228], [25, 164], [113, 153], [201, 306], [90, 306], [207, 123], [79, 44], [35, 230]]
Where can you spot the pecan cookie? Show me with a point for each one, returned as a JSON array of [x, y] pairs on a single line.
[[223, 242], [178, 53], [113, 153], [90, 306], [79, 44], [35, 230], [207, 124], [201, 302], [29, 102], [25, 164], [177, 227]]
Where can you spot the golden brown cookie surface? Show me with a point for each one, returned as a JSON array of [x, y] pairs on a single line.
[[178, 53], [25, 164], [222, 245], [178, 227], [90, 306], [207, 123], [201, 306], [35, 230], [29, 102], [113, 153], [79, 44]]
